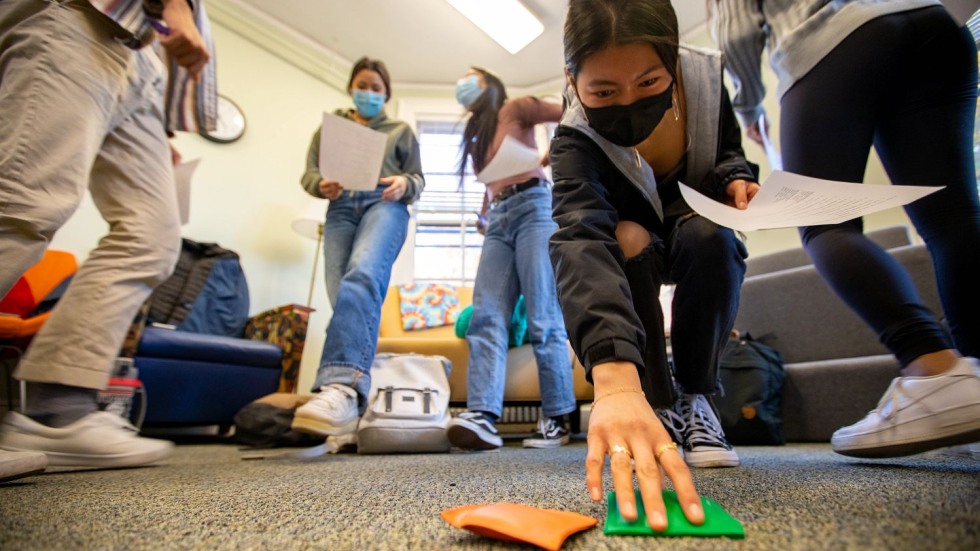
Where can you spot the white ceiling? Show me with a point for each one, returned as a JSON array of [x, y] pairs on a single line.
[[428, 41]]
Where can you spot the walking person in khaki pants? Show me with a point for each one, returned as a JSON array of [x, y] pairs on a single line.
[[82, 109]]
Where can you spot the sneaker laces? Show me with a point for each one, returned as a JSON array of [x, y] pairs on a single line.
[[674, 422], [548, 427], [705, 429]]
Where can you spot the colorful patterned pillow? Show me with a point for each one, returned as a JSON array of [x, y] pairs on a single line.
[[425, 306]]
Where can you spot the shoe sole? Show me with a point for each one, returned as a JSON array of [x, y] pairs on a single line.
[[711, 460], [56, 459], [545, 443], [21, 475], [902, 449], [715, 464], [321, 428], [464, 438]]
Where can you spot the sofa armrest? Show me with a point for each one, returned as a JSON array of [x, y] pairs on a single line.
[[284, 326]]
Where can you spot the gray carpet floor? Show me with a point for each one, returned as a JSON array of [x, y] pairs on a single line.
[[207, 497]]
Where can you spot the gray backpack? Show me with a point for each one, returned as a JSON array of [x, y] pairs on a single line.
[[408, 405]]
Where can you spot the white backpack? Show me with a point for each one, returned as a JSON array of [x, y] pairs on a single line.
[[408, 405]]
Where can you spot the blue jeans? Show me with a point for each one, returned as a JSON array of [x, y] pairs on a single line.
[[362, 237], [514, 260]]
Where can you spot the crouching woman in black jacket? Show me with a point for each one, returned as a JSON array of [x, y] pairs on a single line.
[[642, 115]]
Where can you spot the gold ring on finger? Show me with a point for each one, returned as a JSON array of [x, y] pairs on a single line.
[[620, 449], [664, 449]]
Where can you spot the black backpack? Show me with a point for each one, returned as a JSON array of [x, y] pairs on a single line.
[[750, 406]]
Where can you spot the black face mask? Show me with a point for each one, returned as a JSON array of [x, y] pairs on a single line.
[[628, 125]]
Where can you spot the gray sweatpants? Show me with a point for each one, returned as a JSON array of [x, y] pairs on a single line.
[[80, 111]]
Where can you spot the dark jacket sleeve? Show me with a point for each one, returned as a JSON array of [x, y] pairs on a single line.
[[589, 264], [731, 163]]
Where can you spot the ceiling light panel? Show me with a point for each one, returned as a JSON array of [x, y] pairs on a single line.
[[508, 22]]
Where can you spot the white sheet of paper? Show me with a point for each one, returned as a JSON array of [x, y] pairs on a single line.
[[788, 200], [351, 153], [772, 154], [182, 177], [512, 158], [962, 10]]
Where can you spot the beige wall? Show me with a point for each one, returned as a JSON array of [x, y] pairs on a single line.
[[245, 194]]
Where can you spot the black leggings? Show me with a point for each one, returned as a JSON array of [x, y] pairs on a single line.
[[907, 84]]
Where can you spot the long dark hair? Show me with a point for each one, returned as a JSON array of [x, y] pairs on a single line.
[[482, 126], [592, 25]]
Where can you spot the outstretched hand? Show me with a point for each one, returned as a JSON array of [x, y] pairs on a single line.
[[624, 426]]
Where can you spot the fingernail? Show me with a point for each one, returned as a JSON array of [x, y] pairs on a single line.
[[629, 510], [594, 493], [657, 519], [694, 510]]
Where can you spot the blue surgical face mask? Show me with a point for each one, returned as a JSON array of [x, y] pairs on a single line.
[[368, 103], [468, 90]]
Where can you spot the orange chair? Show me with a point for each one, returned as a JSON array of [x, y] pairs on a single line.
[[28, 305]]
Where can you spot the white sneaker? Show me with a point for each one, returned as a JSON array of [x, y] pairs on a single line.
[[332, 412], [918, 414], [14, 465], [704, 439], [99, 439]]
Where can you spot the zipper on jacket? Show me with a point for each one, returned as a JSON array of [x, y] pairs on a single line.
[[636, 155]]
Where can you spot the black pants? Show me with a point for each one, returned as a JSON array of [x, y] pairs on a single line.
[[905, 83], [706, 262]]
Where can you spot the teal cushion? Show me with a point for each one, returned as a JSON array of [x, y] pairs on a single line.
[[517, 332]]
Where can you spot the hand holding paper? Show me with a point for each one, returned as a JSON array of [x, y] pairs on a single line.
[[350, 153], [789, 200]]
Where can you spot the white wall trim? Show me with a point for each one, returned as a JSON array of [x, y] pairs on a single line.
[[283, 42]]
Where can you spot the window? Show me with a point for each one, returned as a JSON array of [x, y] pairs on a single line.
[[447, 245]]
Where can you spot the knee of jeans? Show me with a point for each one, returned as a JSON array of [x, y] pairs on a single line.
[[708, 236], [363, 282], [633, 238]]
